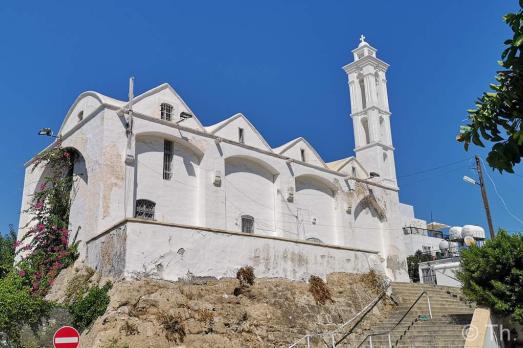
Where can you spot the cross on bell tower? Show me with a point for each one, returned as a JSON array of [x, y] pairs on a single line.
[[370, 111]]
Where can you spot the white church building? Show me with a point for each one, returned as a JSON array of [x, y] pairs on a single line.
[[159, 194]]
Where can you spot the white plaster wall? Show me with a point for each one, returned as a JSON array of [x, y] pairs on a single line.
[[251, 138], [150, 105], [87, 105], [176, 199], [295, 153], [249, 190], [415, 242], [315, 210], [173, 252]]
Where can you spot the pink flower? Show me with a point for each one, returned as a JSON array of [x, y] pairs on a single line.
[[39, 205], [67, 154], [21, 273], [41, 227], [43, 186]]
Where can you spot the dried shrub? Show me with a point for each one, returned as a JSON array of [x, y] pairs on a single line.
[[205, 316], [174, 330], [246, 276], [129, 329], [319, 290], [374, 281]]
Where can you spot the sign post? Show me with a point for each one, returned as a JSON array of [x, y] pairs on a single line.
[[66, 337]]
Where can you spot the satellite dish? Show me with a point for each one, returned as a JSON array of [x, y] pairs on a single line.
[[469, 241]]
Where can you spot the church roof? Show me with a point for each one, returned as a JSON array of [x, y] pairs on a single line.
[[215, 128], [291, 144]]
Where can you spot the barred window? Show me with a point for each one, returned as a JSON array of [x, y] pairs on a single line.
[[241, 138], [144, 209], [247, 224], [166, 111], [167, 159]]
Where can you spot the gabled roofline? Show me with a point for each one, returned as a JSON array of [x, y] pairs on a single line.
[[283, 148], [345, 161], [212, 129], [104, 100], [160, 88]]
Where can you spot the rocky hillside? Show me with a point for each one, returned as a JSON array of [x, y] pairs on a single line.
[[207, 313]]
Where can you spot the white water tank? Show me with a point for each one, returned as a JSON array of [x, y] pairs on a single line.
[[476, 232], [443, 245], [455, 233]]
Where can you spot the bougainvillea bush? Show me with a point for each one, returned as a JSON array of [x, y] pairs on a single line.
[[45, 249]]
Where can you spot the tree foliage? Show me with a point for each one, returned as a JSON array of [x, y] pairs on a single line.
[[492, 275], [413, 264], [498, 114], [86, 309], [7, 252]]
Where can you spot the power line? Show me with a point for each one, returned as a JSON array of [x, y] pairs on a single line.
[[501, 198], [434, 168]]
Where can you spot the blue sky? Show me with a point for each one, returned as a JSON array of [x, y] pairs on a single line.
[[278, 62]]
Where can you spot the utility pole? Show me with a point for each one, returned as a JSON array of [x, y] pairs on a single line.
[[485, 198]]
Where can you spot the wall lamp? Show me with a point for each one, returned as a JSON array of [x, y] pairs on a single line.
[[48, 132], [184, 116]]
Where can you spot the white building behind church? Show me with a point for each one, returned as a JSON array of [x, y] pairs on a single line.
[[159, 194]]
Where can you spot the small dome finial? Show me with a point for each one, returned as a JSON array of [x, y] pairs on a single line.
[[362, 40]]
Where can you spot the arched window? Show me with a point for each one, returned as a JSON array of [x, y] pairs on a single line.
[[363, 97], [144, 209], [247, 224], [166, 111], [365, 126]]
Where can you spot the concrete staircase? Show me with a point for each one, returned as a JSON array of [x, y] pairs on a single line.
[[450, 313]]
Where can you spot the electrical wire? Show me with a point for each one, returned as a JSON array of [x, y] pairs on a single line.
[[433, 168], [500, 197]]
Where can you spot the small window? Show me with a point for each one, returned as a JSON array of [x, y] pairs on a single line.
[[166, 111], [80, 116], [144, 209], [241, 137], [353, 172], [247, 224], [302, 153], [167, 159]]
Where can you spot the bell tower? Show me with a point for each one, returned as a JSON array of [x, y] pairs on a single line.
[[370, 112]]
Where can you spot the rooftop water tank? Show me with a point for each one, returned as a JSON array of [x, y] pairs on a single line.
[[455, 233], [477, 232]]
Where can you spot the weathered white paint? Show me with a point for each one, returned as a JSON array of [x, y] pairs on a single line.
[[287, 197], [176, 252]]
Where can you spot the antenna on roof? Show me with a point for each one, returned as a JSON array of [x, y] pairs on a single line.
[[130, 106], [131, 92]]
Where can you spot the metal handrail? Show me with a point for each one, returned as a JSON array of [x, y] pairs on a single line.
[[362, 317], [388, 332], [362, 313]]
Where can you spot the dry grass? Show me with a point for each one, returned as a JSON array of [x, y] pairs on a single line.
[[174, 330], [129, 329], [205, 316], [374, 281], [319, 290]]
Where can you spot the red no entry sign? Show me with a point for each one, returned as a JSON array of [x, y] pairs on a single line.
[[66, 337]]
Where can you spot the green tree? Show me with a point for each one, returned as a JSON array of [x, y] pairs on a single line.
[[498, 114], [492, 275], [7, 252], [413, 264]]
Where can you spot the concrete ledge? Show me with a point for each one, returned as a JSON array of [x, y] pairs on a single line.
[[217, 230], [137, 248]]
